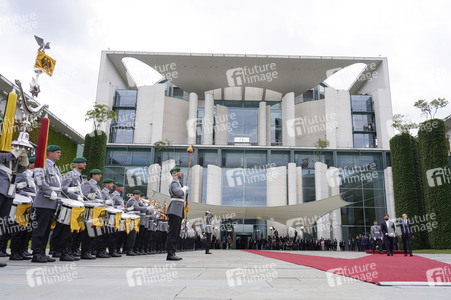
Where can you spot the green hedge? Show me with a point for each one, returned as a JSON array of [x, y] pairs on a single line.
[[407, 186], [95, 150], [434, 154], [68, 147]]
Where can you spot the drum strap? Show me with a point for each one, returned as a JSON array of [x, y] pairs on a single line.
[[6, 169]]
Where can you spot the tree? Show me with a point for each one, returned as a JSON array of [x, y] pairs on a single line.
[[100, 114], [430, 109], [320, 146], [402, 124], [163, 146]]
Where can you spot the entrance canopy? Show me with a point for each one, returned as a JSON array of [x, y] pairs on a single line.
[[305, 214]]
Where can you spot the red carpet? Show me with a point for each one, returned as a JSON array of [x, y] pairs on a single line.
[[372, 268]]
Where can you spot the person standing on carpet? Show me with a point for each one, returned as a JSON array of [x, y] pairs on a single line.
[[388, 230], [406, 234], [376, 235]]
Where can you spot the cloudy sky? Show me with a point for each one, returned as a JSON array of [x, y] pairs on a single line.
[[415, 36]]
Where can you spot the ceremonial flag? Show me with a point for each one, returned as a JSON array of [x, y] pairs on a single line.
[[45, 63], [41, 152]]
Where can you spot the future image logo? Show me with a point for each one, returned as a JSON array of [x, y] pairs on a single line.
[[248, 75], [438, 176]]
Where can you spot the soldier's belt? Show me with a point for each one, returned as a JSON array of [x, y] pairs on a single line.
[[178, 199], [54, 188]]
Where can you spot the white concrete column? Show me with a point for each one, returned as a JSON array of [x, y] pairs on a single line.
[[166, 176], [299, 188], [154, 178], [208, 119], [292, 184], [214, 185], [268, 125], [322, 192], [192, 118], [222, 123], [276, 186], [389, 195], [335, 216], [195, 189], [288, 114], [261, 124]]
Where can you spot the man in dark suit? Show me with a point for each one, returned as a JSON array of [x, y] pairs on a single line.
[[389, 232], [406, 234]]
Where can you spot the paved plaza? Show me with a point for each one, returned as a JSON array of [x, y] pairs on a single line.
[[197, 276]]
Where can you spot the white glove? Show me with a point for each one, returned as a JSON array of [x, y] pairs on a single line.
[[185, 189], [109, 202], [21, 185], [53, 196], [130, 208], [73, 189], [80, 198], [91, 196]]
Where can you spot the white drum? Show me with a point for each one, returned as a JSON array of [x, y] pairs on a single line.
[[110, 215], [65, 211], [19, 200], [89, 210], [123, 218]]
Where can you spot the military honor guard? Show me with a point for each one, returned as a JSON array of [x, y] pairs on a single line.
[[25, 190], [175, 212], [376, 236], [208, 230], [133, 205], [118, 201], [48, 183]]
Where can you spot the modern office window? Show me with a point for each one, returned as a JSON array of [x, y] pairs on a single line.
[[364, 140], [116, 156], [207, 157], [120, 135], [245, 130], [125, 98], [363, 122], [362, 103]]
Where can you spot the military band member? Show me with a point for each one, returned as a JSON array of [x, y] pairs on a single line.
[[376, 235], [118, 201], [133, 205], [208, 230], [175, 212], [9, 162], [91, 193], [107, 187], [151, 234], [19, 238], [162, 229], [85, 178], [71, 186], [48, 182]]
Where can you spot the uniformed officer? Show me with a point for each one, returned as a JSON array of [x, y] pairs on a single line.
[[19, 238], [118, 201], [48, 182], [92, 193], [133, 205], [71, 186], [11, 164], [175, 212], [376, 235], [208, 230], [109, 232]]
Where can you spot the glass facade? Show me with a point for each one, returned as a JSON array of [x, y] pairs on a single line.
[[363, 121], [244, 175], [123, 128]]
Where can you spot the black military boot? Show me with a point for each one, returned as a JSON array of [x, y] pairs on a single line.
[[172, 256], [115, 254], [87, 255], [15, 256], [39, 258]]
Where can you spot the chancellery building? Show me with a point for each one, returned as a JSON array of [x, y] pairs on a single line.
[[266, 130]]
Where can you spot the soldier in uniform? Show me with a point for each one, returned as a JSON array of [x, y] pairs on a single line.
[[133, 205], [85, 178], [376, 235], [11, 164], [71, 188], [19, 238], [118, 201], [175, 212], [72, 182], [92, 193], [108, 233], [151, 235], [48, 182], [208, 230]]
